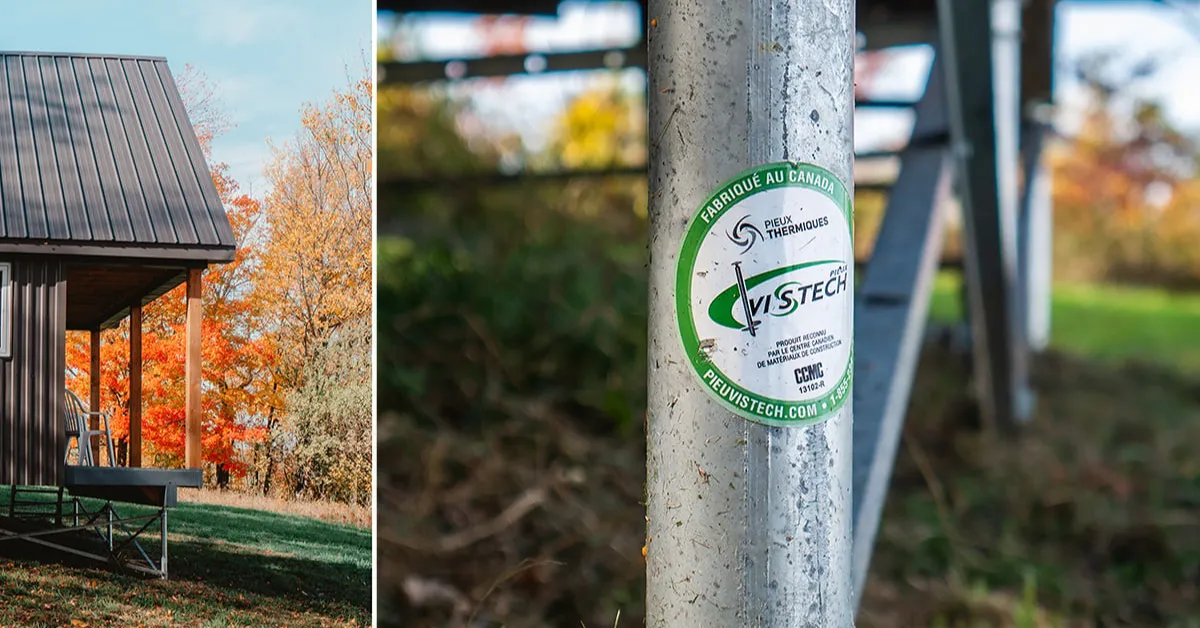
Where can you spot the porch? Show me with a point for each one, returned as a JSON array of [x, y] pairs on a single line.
[[46, 500], [106, 204]]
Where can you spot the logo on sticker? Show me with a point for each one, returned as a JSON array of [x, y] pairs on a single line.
[[764, 294], [745, 234]]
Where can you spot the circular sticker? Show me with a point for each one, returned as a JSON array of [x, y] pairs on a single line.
[[764, 292]]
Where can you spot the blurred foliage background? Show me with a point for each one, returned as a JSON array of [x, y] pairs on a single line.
[[512, 343], [532, 288]]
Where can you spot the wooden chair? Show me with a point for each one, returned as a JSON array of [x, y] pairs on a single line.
[[77, 416]]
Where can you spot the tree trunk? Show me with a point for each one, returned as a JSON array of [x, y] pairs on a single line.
[[270, 453]]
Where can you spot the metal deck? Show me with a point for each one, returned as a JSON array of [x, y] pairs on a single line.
[[32, 520], [149, 487]]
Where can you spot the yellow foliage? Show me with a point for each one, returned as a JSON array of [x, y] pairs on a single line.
[[316, 257], [601, 127]]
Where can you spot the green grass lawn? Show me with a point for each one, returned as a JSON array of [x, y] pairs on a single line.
[[228, 567], [1089, 517], [1109, 323]]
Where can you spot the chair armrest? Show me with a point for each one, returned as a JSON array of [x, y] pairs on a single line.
[[104, 415]]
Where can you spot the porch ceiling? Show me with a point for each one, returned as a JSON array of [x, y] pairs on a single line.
[[98, 297]]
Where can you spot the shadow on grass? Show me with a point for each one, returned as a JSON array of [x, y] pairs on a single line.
[[285, 534], [333, 588], [222, 560]]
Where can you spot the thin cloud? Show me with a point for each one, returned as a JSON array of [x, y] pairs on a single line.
[[246, 161], [239, 23]]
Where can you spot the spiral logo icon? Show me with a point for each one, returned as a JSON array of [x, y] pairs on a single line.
[[745, 234]]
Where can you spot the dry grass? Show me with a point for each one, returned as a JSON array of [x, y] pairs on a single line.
[[530, 523], [1090, 519], [349, 514]]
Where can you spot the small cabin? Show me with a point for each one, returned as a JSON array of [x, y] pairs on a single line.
[[106, 203]]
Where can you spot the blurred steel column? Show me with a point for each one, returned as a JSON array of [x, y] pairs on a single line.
[[1036, 225], [1006, 82], [1035, 237], [748, 525], [981, 125]]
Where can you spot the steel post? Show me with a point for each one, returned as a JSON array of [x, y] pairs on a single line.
[[748, 524], [162, 520], [1037, 225]]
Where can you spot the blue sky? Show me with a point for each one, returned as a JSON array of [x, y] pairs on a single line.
[[265, 58]]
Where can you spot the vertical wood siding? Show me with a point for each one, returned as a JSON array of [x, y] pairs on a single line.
[[31, 381]]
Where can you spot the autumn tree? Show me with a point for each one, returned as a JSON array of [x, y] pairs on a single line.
[[1124, 185], [329, 418], [206, 111], [237, 359], [316, 259], [314, 279], [602, 127]]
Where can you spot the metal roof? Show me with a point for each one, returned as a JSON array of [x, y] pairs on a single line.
[[98, 158]]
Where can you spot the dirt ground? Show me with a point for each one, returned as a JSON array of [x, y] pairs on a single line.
[[1091, 517]]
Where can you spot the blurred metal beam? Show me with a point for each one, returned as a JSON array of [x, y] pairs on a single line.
[[498, 179], [535, 63], [414, 72], [1035, 241], [495, 179], [526, 7], [1037, 52], [904, 31], [1035, 222], [890, 313], [874, 103]]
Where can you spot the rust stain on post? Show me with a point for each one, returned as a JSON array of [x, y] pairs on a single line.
[[192, 370]]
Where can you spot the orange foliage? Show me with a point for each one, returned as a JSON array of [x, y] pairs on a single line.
[[237, 359], [302, 273], [1124, 196]]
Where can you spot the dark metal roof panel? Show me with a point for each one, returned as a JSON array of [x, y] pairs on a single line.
[[98, 150]]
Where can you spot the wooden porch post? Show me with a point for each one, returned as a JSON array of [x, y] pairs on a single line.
[[192, 370], [94, 393], [135, 385]]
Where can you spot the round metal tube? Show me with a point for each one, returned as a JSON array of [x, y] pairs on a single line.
[[748, 525]]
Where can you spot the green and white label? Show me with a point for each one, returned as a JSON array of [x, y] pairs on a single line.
[[764, 292]]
